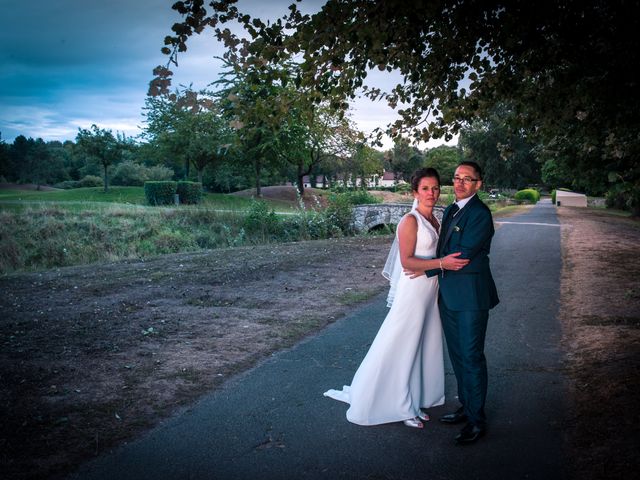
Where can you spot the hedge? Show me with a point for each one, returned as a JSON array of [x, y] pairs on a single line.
[[189, 192], [159, 193]]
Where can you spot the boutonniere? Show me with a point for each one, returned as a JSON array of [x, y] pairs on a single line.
[[456, 228]]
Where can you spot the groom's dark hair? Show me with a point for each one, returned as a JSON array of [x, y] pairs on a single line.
[[473, 165], [421, 173]]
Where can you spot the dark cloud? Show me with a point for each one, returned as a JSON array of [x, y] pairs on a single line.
[[67, 64], [71, 60]]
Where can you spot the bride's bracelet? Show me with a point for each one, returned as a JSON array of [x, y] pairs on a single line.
[[441, 268]]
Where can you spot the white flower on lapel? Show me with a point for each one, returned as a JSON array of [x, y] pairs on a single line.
[[456, 228]]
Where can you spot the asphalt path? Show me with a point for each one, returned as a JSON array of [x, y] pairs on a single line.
[[273, 422]]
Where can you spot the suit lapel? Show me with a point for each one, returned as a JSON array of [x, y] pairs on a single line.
[[449, 223], [446, 220]]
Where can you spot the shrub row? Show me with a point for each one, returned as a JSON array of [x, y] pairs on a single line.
[[85, 182], [623, 196], [133, 174], [162, 193]]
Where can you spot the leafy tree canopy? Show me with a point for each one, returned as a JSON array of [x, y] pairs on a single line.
[[507, 158], [564, 65], [564, 60]]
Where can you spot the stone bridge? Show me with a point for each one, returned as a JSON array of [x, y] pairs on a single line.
[[369, 216]]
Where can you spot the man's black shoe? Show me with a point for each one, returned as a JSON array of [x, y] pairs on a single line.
[[456, 417], [470, 434]]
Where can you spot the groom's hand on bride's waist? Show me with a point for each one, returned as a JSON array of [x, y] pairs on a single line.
[[412, 274]]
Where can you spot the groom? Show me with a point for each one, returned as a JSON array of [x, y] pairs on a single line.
[[465, 298]]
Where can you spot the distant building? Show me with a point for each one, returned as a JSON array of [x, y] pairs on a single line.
[[570, 199], [321, 181], [390, 179]]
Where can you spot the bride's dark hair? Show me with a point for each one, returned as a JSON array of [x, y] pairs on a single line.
[[422, 173]]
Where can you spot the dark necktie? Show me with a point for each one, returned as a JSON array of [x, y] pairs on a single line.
[[454, 210], [445, 225]]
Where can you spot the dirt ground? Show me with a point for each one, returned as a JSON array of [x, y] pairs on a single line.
[[600, 313], [27, 186], [93, 356], [314, 197]]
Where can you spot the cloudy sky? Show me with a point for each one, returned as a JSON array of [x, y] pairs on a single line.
[[67, 64]]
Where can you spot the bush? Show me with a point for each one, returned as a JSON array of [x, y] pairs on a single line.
[[90, 181], [189, 192], [339, 212], [159, 193], [134, 174], [129, 174], [68, 184], [159, 173], [361, 197], [528, 195], [617, 197], [262, 222]]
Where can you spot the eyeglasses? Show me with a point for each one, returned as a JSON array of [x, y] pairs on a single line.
[[464, 180]]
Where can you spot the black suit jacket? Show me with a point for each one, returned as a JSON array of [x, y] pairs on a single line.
[[470, 231]]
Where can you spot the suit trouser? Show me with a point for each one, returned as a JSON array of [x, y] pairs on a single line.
[[465, 333]]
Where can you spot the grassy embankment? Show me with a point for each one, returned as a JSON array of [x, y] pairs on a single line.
[[42, 230]]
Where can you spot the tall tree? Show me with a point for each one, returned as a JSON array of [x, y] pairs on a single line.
[[445, 159], [18, 158], [256, 100], [5, 165], [404, 159], [310, 134], [563, 65], [41, 166], [507, 157], [188, 126], [103, 146]]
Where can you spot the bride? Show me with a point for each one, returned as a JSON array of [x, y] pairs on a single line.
[[403, 370]]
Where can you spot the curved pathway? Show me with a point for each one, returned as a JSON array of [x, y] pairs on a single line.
[[273, 422]]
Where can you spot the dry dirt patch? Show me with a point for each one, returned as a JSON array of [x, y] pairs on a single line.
[[313, 198], [27, 186], [94, 355], [600, 312]]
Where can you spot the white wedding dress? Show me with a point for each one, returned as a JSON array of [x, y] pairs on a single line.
[[404, 367]]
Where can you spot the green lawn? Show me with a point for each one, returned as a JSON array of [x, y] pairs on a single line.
[[120, 195]]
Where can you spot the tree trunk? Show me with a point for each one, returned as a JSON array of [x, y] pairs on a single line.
[[300, 182], [258, 165], [106, 178], [187, 165]]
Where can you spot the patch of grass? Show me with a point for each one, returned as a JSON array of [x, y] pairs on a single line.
[[614, 212], [297, 329], [596, 320], [351, 298], [82, 198], [133, 195], [507, 210]]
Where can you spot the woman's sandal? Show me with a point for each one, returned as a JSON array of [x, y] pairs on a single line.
[[424, 416], [413, 422]]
